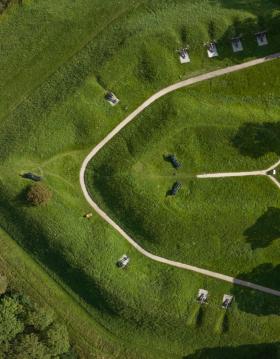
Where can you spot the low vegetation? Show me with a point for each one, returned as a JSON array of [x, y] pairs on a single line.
[[53, 112], [38, 194], [204, 126]]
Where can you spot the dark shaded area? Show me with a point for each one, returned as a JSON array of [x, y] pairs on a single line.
[[255, 7], [200, 317], [247, 28], [32, 237], [258, 351], [212, 30], [255, 140], [21, 198], [256, 302], [225, 324], [265, 230], [3, 5], [184, 35]]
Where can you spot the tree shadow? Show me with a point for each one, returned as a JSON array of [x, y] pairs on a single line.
[[21, 198], [259, 303], [247, 28], [255, 7], [241, 27], [257, 351], [257, 139], [265, 230]]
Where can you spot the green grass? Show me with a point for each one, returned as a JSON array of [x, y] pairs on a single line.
[[205, 224], [52, 114]]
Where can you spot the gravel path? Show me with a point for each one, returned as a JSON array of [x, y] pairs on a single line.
[[245, 174], [125, 122], [232, 174]]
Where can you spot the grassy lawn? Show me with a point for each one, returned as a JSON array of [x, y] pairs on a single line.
[[53, 112], [212, 223]]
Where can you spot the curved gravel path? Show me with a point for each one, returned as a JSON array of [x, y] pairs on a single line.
[[125, 122]]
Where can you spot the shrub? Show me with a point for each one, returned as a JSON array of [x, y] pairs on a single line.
[[38, 194]]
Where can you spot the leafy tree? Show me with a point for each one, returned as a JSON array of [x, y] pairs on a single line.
[[10, 326], [57, 339], [28, 331], [40, 318], [4, 348], [29, 347], [38, 194]]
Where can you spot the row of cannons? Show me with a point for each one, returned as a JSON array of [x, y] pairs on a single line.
[[202, 298], [212, 51], [212, 48]]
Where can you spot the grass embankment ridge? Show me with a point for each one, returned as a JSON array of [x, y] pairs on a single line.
[[52, 126]]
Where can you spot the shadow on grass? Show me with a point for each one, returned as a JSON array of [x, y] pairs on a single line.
[[225, 324], [32, 237], [265, 230], [255, 140], [200, 317], [256, 302], [21, 198], [255, 7], [247, 28], [258, 351]]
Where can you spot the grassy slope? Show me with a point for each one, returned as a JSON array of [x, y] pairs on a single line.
[[24, 273], [49, 127], [199, 125]]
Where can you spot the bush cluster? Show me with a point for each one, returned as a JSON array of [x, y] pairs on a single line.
[[38, 194], [29, 331]]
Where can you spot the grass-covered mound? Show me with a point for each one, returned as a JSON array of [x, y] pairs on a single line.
[[57, 61], [211, 127]]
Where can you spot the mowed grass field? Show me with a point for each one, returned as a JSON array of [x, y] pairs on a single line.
[[62, 60]]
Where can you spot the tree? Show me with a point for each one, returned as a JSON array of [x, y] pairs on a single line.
[[28, 331], [57, 339], [40, 318], [29, 347], [38, 194], [10, 326]]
